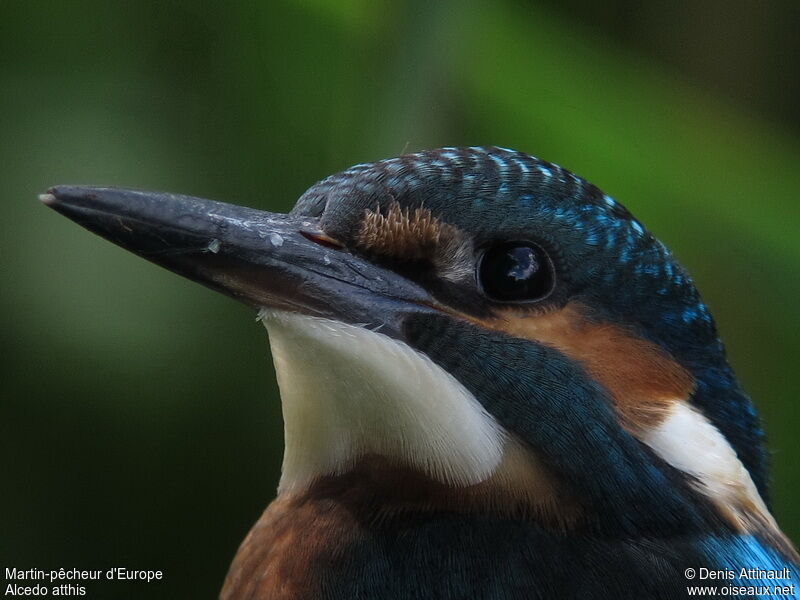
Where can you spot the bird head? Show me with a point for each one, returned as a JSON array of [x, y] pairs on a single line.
[[485, 320]]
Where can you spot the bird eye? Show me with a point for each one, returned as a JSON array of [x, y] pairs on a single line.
[[514, 272]]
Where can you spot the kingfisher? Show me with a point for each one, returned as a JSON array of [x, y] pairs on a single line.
[[495, 384]]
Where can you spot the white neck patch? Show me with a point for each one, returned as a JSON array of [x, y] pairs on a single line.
[[347, 392], [688, 441]]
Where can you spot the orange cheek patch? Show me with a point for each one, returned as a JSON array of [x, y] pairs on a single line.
[[643, 379]]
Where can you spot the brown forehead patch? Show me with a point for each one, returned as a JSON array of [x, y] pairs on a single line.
[[405, 233], [642, 379]]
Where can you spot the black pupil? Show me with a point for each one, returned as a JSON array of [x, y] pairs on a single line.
[[511, 272]]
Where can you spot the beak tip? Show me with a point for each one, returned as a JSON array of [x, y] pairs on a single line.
[[48, 198], [65, 196]]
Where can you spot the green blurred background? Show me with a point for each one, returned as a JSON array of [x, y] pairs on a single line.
[[140, 421]]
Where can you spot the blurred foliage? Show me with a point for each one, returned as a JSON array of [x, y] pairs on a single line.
[[141, 425]]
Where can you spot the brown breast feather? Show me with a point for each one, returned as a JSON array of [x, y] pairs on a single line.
[[292, 542], [303, 536]]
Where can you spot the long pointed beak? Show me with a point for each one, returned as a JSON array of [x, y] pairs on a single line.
[[263, 259]]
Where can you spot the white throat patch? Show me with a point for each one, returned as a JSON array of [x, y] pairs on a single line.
[[347, 392]]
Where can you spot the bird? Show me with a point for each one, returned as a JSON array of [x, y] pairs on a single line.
[[496, 383]]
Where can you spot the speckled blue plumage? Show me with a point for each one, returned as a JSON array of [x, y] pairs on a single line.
[[616, 265], [648, 524]]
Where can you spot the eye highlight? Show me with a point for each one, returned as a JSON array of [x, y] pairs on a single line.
[[516, 272]]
